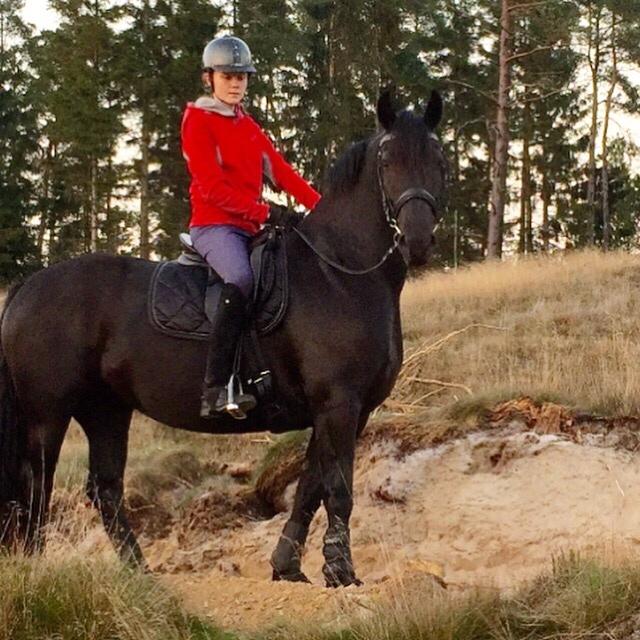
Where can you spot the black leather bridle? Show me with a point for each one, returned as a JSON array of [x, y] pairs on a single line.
[[392, 209]]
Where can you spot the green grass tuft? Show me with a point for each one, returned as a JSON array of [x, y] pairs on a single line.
[[72, 599], [579, 598], [286, 445]]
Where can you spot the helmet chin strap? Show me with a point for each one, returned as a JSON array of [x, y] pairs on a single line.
[[211, 83]]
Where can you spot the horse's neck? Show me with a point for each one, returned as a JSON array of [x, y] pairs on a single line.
[[351, 227]]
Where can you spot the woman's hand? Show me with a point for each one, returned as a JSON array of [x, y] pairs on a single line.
[[280, 216]]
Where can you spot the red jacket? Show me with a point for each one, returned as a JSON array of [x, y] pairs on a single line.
[[227, 158]]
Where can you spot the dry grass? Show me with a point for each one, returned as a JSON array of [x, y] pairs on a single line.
[[580, 598], [161, 458], [79, 590], [72, 599], [167, 474], [564, 328]]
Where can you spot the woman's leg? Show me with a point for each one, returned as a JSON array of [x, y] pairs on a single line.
[[226, 249]]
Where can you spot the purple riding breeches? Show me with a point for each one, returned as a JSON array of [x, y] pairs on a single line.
[[226, 249]]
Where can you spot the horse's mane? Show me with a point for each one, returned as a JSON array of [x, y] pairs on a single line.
[[413, 138], [346, 170]]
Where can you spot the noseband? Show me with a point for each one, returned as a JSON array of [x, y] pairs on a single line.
[[392, 211]]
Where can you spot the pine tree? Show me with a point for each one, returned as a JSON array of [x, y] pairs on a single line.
[[185, 27], [544, 113], [17, 145], [610, 35], [336, 104], [445, 50], [83, 107], [276, 44], [140, 73]]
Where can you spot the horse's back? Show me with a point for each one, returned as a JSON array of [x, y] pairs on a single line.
[[63, 315], [87, 272], [76, 289]]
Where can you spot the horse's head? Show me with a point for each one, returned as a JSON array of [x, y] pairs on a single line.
[[412, 174]]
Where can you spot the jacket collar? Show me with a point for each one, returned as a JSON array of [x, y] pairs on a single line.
[[215, 105]]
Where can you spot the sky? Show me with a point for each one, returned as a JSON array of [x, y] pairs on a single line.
[[37, 12]]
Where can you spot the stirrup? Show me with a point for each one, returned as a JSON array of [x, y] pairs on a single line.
[[238, 404]]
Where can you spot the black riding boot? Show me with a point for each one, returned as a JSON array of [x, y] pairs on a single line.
[[230, 320]]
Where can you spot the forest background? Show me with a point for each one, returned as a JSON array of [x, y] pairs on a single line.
[[90, 114]]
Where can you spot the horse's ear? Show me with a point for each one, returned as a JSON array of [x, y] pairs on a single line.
[[386, 112], [433, 112]]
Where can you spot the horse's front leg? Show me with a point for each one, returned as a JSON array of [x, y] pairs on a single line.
[[335, 431], [287, 556]]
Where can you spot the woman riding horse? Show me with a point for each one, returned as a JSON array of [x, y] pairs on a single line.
[[227, 154], [75, 341]]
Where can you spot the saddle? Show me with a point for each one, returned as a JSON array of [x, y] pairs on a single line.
[[183, 298], [184, 293]]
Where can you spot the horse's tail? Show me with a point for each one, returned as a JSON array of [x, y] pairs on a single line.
[[11, 445]]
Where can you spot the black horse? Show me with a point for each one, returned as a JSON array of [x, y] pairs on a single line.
[[76, 342]]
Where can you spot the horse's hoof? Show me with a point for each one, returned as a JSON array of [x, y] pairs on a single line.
[[340, 576], [347, 582], [296, 576]]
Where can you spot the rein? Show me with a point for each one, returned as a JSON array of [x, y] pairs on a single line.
[[391, 211]]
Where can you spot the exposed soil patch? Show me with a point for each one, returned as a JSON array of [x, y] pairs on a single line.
[[488, 509], [484, 505]]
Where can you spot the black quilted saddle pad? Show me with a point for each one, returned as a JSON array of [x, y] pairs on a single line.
[[182, 298]]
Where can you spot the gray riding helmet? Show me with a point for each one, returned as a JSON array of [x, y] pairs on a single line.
[[228, 54]]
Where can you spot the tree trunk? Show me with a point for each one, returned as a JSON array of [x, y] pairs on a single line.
[[594, 56], [546, 201], [606, 210], [456, 180], [329, 152], [93, 207], [2, 43], [110, 226], [145, 143], [52, 240], [501, 154], [44, 213], [526, 231]]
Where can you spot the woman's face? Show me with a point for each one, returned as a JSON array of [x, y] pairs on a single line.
[[230, 87]]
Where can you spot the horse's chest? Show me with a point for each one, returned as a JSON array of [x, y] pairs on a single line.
[[387, 343]]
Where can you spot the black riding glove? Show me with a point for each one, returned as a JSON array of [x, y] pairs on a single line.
[[280, 216]]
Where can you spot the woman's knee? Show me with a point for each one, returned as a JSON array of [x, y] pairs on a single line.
[[243, 280]]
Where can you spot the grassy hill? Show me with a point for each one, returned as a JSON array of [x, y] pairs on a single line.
[[553, 328], [565, 328]]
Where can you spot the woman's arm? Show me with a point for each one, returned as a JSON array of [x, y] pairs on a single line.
[[284, 176]]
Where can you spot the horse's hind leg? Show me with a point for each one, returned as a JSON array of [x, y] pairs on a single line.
[[286, 558], [106, 424], [43, 440]]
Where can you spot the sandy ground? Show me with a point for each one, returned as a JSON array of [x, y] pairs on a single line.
[[487, 511]]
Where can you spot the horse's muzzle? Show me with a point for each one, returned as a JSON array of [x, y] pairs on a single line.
[[417, 253]]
